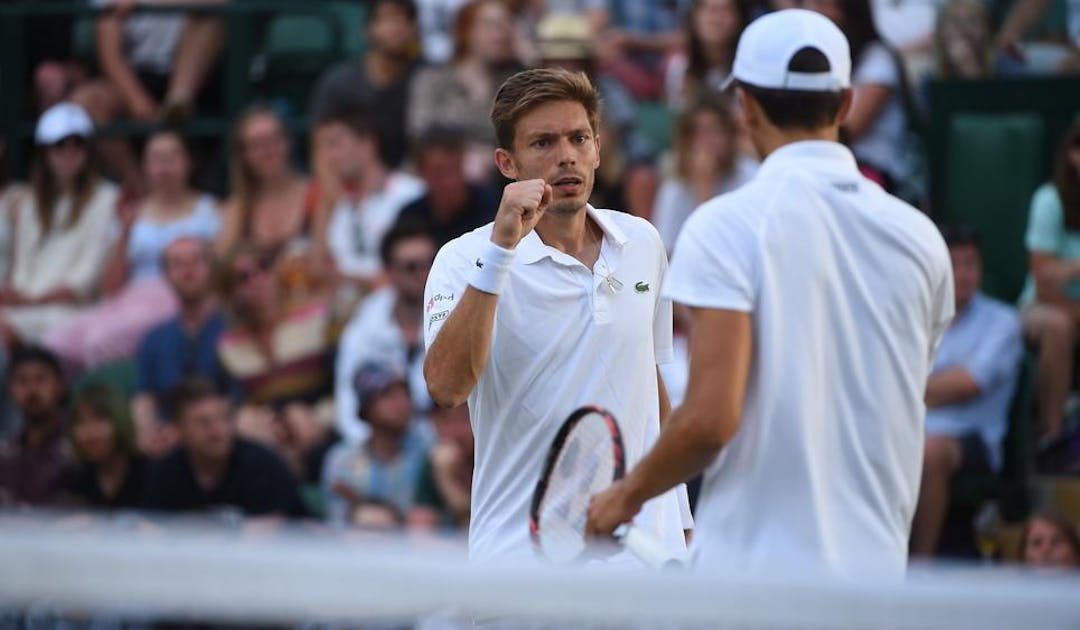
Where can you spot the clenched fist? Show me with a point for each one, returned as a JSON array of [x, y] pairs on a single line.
[[522, 205]]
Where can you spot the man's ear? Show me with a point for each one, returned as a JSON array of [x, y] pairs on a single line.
[[748, 108], [505, 162], [845, 107], [598, 145]]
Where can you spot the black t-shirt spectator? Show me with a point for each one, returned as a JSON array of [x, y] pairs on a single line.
[[479, 209], [83, 485], [256, 482], [346, 85]]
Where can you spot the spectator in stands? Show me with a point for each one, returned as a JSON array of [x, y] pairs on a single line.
[[460, 94], [358, 195], [451, 205], [626, 179], [712, 32], [636, 38], [213, 468], [388, 326], [139, 297], [962, 41], [279, 355], [390, 463], [271, 205], [180, 348], [61, 233], [707, 164], [11, 191], [1025, 14], [1051, 297], [154, 65], [1050, 541], [32, 464], [452, 462], [876, 127], [436, 19], [379, 81], [969, 391], [50, 51], [109, 473]]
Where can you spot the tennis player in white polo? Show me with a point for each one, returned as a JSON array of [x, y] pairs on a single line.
[[818, 301], [554, 305]]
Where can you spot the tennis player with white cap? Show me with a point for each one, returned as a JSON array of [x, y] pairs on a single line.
[[817, 303]]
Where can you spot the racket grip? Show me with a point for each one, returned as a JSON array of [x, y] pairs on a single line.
[[647, 548]]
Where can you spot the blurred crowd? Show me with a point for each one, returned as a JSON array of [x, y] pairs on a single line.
[[275, 330]]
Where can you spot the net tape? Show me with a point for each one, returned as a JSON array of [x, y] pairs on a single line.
[[266, 576]]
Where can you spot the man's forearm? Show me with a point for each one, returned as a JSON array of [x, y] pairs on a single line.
[[950, 386], [681, 452], [457, 357]]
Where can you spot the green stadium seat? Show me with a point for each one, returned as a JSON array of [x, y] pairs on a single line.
[[352, 16], [297, 48], [120, 374], [655, 120], [993, 163]]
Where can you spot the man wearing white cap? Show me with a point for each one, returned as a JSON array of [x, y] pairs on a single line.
[[818, 301]]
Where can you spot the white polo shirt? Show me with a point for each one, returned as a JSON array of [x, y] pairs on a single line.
[[563, 338], [850, 290]]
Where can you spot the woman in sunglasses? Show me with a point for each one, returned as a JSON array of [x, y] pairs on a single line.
[[61, 231]]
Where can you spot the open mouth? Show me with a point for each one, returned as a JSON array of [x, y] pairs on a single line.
[[568, 185]]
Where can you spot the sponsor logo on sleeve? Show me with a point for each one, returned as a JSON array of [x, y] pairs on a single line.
[[437, 317], [437, 299]]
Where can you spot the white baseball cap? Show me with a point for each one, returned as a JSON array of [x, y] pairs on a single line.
[[61, 121], [767, 45]]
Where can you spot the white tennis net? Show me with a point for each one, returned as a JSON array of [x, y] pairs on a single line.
[[266, 575]]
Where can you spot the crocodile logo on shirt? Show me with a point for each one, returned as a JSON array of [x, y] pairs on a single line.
[[642, 287]]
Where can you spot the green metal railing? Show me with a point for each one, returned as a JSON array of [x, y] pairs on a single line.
[[241, 49]]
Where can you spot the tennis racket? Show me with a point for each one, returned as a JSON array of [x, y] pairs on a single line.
[[586, 456]]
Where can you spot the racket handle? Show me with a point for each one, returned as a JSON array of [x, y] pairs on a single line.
[[647, 548]]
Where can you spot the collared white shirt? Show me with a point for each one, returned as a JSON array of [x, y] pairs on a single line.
[[356, 229], [564, 336], [372, 334], [849, 290]]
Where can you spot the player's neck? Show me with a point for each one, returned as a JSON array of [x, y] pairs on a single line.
[[568, 233], [768, 140]]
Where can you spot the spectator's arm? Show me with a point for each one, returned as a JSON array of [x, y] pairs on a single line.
[[231, 224], [1024, 15], [951, 386], [1050, 273], [109, 36], [116, 269], [867, 104]]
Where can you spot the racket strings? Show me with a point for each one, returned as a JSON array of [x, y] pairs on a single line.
[[584, 466]]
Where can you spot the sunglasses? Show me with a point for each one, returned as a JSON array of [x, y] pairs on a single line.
[[413, 266]]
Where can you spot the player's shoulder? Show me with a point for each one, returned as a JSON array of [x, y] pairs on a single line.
[[464, 247], [634, 228], [742, 209]]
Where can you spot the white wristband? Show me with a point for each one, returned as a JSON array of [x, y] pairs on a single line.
[[491, 269]]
